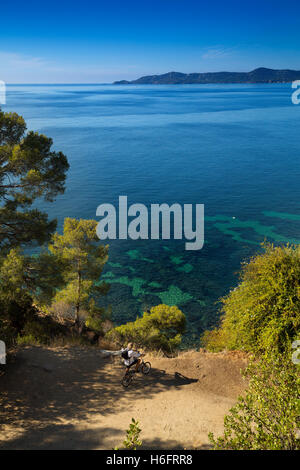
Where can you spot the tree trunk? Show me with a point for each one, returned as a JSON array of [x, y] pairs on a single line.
[[77, 306]]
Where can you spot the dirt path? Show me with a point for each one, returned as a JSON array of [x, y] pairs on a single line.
[[71, 398]]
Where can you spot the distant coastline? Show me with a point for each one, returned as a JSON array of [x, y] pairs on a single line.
[[259, 75]]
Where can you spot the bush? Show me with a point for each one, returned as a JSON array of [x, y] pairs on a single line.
[[37, 330], [263, 312], [40, 329], [27, 340], [161, 328], [98, 318], [132, 440], [213, 340], [61, 311], [13, 316], [267, 417], [21, 278]]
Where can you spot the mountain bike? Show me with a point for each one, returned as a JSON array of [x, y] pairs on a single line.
[[144, 367]]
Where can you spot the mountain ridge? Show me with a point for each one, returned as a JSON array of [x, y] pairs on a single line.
[[259, 75]]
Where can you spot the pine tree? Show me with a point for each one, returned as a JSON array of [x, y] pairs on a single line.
[[84, 260], [29, 169]]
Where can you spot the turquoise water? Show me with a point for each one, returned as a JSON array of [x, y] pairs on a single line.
[[234, 148]]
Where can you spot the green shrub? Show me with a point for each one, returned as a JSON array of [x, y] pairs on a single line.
[[213, 340], [97, 317], [21, 278], [161, 328], [132, 440], [267, 417], [263, 312], [27, 340], [13, 315], [40, 330], [37, 330]]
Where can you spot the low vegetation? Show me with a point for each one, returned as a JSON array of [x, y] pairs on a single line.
[[159, 328], [262, 316], [263, 313], [267, 417], [132, 440]]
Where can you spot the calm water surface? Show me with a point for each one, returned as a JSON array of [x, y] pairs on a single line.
[[235, 148]]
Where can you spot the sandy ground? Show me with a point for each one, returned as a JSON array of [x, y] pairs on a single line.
[[72, 398]]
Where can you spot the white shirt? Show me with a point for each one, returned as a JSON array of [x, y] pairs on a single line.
[[132, 355]]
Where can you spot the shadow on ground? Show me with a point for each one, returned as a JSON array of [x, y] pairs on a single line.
[[66, 437], [43, 389]]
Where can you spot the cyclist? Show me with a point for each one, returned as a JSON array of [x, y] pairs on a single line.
[[131, 357]]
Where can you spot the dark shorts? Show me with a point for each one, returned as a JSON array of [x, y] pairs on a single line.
[[134, 362]]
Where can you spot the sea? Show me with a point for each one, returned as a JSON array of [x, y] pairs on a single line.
[[233, 148]]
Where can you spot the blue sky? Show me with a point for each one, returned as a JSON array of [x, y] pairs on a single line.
[[101, 41]]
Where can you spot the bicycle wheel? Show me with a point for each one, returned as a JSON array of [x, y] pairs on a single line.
[[127, 380], [146, 366]]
